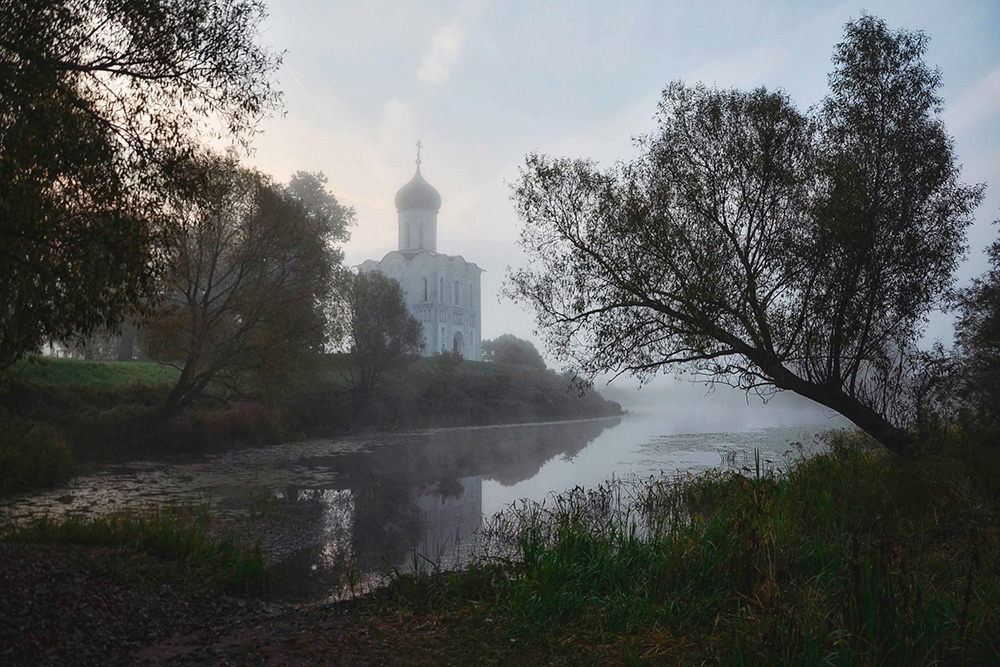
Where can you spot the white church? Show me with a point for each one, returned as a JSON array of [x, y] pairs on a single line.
[[441, 291]]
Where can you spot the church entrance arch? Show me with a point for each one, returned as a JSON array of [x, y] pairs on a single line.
[[458, 343]]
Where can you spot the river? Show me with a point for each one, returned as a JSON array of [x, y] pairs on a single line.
[[335, 515]]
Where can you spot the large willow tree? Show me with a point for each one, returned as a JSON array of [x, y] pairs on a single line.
[[757, 245]]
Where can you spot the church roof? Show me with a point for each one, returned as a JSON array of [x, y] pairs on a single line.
[[410, 255], [418, 194]]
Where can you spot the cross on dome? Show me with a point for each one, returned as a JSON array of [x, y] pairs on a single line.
[[418, 194]]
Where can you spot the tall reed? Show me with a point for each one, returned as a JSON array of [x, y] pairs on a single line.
[[849, 556]]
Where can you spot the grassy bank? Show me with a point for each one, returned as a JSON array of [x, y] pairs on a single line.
[[109, 375], [60, 414], [853, 557], [189, 550]]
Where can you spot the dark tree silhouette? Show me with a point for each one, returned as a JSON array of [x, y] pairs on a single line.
[[97, 99], [759, 246], [252, 267], [977, 338]]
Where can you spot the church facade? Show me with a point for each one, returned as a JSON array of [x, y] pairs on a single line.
[[441, 291]]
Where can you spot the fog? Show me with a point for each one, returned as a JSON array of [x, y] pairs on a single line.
[[696, 407], [482, 83]]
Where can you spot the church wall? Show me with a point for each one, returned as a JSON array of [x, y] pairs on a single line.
[[441, 291], [439, 314]]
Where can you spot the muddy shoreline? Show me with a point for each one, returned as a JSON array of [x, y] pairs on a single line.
[[73, 605]]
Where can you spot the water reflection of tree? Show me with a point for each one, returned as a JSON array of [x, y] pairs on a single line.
[[387, 523], [315, 548], [508, 454], [417, 492]]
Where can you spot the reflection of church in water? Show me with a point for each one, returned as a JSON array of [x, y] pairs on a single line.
[[441, 291], [450, 521], [364, 528], [414, 500]]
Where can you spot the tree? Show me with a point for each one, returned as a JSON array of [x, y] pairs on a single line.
[[251, 270], [509, 349], [758, 246], [98, 99], [977, 339], [382, 333]]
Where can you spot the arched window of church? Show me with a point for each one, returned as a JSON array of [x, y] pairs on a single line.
[[425, 288], [456, 293], [441, 290], [471, 300]]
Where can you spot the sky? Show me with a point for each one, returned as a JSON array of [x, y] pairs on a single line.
[[482, 83]]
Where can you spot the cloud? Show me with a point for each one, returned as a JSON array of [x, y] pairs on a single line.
[[439, 60], [446, 45], [399, 123], [976, 107], [745, 69]]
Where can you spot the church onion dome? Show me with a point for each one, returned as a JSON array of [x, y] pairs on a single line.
[[418, 194]]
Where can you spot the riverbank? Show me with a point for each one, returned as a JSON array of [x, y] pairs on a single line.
[[851, 557], [61, 415], [72, 605]]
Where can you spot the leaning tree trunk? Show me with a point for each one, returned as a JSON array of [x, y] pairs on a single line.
[[887, 434]]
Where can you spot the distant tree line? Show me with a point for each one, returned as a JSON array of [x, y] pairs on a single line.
[[509, 349]]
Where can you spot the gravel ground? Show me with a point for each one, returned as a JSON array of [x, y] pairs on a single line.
[[70, 605]]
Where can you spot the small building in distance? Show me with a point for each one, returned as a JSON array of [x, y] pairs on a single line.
[[442, 291]]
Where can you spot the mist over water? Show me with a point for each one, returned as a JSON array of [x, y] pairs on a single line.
[[334, 515], [674, 428]]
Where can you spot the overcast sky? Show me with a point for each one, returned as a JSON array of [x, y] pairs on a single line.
[[481, 83]]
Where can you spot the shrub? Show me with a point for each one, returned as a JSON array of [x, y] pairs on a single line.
[[33, 455]]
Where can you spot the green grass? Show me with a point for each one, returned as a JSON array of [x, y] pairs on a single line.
[[59, 412], [851, 557], [52, 372], [184, 537]]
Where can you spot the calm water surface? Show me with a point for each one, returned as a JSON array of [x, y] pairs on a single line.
[[335, 515]]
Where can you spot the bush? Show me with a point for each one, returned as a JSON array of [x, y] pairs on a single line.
[[33, 455]]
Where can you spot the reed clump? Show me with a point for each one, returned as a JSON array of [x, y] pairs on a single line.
[[846, 556]]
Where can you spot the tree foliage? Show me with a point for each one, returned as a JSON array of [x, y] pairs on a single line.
[[977, 339], [509, 349], [757, 245], [381, 332], [251, 270], [98, 98]]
